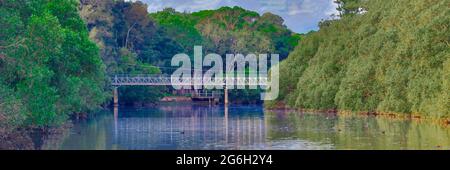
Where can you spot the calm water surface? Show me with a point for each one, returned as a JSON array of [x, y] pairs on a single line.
[[189, 127]]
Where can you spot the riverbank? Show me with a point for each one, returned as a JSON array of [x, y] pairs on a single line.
[[15, 140], [445, 122], [34, 138]]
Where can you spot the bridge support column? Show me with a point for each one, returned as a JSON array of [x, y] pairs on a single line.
[[116, 96], [225, 101]]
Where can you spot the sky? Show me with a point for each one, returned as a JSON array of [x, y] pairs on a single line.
[[300, 16]]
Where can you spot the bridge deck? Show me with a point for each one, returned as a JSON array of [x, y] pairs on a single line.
[[164, 80]]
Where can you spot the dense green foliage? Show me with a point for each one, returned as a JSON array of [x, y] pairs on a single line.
[[383, 56], [48, 66], [390, 56], [123, 32], [228, 31], [129, 43], [132, 41]]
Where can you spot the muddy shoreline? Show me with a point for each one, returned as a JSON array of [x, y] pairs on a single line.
[[34, 138]]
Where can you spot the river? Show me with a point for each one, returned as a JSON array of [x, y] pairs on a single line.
[[187, 127]]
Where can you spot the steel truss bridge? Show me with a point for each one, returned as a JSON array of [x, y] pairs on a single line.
[[166, 80]]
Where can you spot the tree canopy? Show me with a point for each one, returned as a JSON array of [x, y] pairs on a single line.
[[132, 41], [228, 30], [49, 68], [392, 58]]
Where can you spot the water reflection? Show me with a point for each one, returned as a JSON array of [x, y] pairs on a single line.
[[347, 132], [188, 127], [246, 127]]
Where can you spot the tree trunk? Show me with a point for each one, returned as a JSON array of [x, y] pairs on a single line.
[[128, 35]]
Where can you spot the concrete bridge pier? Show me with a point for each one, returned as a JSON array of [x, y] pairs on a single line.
[[116, 96], [225, 101]]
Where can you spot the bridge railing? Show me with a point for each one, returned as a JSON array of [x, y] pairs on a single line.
[[167, 80]]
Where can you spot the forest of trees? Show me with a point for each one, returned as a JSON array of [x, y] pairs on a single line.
[[380, 56], [49, 68], [56, 56], [132, 41], [229, 30], [126, 35]]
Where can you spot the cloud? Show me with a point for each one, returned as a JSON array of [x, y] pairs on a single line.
[[299, 15]]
